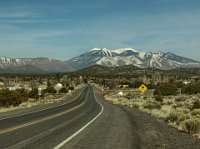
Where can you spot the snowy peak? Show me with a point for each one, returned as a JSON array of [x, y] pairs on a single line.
[[122, 50], [103, 51], [129, 56], [110, 53], [95, 49]]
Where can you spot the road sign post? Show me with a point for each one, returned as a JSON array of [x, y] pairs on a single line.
[[39, 92], [142, 89]]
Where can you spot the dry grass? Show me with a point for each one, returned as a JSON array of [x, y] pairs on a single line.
[[181, 111], [191, 126], [151, 104]]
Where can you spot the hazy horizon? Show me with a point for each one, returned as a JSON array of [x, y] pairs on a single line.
[[64, 29], [91, 49]]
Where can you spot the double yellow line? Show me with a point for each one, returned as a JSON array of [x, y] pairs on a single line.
[[40, 120]]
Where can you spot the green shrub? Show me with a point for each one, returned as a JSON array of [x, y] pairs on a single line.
[[191, 125], [190, 89], [158, 98], [134, 105], [136, 84], [22, 95], [151, 86], [50, 90], [166, 89], [195, 112], [33, 93], [129, 96], [180, 98], [63, 90], [180, 84], [196, 104], [182, 118], [152, 105], [172, 117], [71, 88], [12, 98], [85, 80]]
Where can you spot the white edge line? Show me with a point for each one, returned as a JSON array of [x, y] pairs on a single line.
[[42, 109], [84, 127]]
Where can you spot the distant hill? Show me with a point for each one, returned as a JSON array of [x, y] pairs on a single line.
[[30, 65], [133, 71], [103, 70], [185, 71], [29, 69]]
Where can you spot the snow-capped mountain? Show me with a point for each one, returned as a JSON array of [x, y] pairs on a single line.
[[41, 63], [127, 56], [97, 56]]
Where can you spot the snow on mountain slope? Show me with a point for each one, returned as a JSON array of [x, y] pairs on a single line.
[[45, 64], [127, 56], [142, 55], [119, 51], [119, 61], [103, 51]]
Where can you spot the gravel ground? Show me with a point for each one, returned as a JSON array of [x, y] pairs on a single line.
[[154, 133]]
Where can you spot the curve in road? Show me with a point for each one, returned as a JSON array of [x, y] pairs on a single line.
[[30, 129], [95, 124]]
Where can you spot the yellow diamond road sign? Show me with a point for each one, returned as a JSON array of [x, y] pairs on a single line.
[[143, 88]]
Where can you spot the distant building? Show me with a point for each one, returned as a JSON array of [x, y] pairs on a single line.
[[154, 77], [186, 82], [2, 84], [125, 86], [14, 88], [65, 78], [43, 86]]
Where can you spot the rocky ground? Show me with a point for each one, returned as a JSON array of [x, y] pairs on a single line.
[[181, 111]]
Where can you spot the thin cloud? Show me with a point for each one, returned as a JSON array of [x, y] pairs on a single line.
[[31, 21], [78, 26]]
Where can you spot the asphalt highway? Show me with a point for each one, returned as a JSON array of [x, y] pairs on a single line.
[[89, 122], [47, 128]]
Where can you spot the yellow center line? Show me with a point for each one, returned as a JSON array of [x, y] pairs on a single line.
[[39, 121]]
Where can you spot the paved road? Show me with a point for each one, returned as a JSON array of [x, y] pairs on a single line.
[[88, 124], [47, 128], [120, 127], [20, 111]]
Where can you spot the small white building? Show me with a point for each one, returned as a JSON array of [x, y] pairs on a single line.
[[14, 88], [43, 87], [186, 82], [2, 84], [58, 86]]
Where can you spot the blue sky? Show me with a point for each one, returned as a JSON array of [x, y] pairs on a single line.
[[62, 29]]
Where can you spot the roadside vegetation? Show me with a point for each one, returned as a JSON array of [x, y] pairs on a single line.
[[175, 103], [12, 98], [18, 97]]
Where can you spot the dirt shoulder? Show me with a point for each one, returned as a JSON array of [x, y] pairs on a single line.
[[177, 111], [156, 134]]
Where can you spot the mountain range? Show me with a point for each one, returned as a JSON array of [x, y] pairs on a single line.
[[32, 65], [97, 56], [129, 56]]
